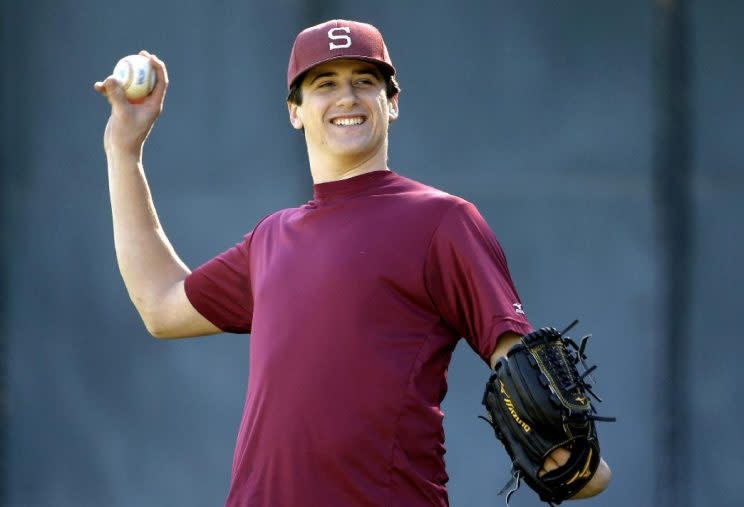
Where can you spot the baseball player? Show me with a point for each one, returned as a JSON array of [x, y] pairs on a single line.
[[354, 300]]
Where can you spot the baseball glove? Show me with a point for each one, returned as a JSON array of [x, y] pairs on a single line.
[[537, 402]]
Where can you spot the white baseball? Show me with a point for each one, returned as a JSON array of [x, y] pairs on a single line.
[[136, 76]]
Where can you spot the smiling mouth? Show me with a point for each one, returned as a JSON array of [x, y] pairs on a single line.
[[348, 122]]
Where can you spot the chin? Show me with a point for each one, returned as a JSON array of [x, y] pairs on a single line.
[[351, 149]]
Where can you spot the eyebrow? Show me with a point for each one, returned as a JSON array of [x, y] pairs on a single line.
[[358, 71]]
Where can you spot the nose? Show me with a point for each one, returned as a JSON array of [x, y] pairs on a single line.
[[347, 96]]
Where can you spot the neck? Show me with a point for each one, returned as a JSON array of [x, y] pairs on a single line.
[[325, 168]]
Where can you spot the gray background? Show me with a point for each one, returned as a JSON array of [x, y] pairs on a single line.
[[539, 112]]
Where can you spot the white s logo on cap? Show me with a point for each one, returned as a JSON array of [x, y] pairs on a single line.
[[332, 35]]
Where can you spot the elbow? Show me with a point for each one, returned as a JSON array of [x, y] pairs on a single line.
[[155, 326], [158, 333], [155, 330], [149, 315], [155, 316]]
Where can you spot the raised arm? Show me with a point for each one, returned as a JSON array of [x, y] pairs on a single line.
[[152, 271]]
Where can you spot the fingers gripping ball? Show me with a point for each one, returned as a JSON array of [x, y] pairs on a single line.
[[136, 75]]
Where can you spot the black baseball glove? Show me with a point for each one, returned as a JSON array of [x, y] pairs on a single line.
[[537, 402]]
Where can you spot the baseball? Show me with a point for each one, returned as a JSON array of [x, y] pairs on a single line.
[[136, 76]]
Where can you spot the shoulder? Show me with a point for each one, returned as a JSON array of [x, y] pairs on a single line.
[[264, 226], [431, 198], [452, 217], [276, 218]]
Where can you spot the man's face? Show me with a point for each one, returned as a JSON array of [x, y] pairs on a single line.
[[345, 111]]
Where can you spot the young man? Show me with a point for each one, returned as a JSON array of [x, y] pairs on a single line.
[[354, 301]]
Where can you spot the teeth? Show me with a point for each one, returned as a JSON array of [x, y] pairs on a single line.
[[348, 121]]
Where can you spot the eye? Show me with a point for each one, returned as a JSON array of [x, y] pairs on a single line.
[[325, 84]]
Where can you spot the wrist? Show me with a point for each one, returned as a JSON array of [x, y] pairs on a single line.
[[505, 342], [122, 160], [115, 152]]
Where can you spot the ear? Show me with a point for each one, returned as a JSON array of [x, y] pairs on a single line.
[[393, 110], [295, 115]]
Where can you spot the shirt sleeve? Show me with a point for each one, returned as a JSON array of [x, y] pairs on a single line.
[[220, 289], [469, 281]]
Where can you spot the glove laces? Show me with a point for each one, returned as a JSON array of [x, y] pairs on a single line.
[[576, 354]]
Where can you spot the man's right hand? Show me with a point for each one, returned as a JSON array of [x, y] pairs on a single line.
[[152, 271], [130, 124]]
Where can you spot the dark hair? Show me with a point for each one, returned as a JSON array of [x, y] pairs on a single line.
[[392, 88]]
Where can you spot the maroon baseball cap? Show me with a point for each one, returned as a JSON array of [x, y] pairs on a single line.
[[336, 39]]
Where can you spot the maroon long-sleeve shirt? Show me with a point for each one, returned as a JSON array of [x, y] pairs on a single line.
[[355, 302]]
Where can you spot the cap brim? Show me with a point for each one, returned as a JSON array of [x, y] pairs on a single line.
[[380, 63]]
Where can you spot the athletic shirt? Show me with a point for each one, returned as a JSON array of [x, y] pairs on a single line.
[[355, 302]]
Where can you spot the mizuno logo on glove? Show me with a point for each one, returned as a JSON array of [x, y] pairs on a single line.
[[512, 411]]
